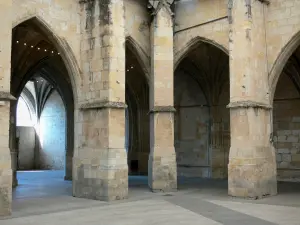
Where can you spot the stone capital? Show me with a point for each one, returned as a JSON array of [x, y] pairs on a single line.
[[267, 2], [159, 109], [156, 5], [6, 96], [103, 105], [84, 1], [249, 104]]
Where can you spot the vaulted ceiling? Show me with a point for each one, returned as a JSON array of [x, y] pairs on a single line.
[[31, 51], [209, 67], [292, 69]]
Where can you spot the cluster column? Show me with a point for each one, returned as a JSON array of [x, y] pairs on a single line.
[[100, 168], [162, 169], [252, 165]]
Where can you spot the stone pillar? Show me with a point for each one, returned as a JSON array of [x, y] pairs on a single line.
[[13, 143], [252, 165], [5, 158], [100, 168], [69, 144], [68, 169], [162, 168]]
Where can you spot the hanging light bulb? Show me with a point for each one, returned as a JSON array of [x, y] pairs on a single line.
[[38, 49], [24, 43], [45, 50], [31, 46], [17, 42]]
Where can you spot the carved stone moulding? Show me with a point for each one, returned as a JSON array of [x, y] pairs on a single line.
[[6, 96], [103, 105], [154, 5]]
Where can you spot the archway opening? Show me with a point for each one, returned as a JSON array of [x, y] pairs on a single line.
[[202, 129], [137, 116], [40, 79], [286, 120], [41, 127]]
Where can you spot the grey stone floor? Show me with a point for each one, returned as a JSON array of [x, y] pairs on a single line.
[[43, 197]]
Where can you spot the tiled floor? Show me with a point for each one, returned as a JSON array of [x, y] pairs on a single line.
[[44, 198]]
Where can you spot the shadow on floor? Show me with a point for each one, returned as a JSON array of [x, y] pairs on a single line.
[[52, 183], [47, 191]]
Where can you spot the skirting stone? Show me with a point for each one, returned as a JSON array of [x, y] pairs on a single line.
[[252, 178], [106, 180], [162, 172]]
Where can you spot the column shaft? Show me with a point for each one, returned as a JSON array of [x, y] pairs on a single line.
[[5, 58], [252, 165], [100, 168], [162, 169]]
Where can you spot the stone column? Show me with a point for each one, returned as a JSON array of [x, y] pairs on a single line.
[[252, 165], [5, 158], [69, 144], [12, 142], [100, 168], [162, 168]]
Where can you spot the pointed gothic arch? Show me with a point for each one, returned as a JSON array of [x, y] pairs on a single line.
[[61, 45], [193, 44], [280, 63]]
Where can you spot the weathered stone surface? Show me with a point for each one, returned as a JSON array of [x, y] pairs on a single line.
[[92, 34], [162, 169], [252, 162]]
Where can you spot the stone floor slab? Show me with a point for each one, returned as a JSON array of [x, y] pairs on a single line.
[[282, 215], [143, 212], [45, 196]]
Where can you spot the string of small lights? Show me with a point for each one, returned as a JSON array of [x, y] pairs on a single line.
[[129, 68], [53, 52], [38, 48]]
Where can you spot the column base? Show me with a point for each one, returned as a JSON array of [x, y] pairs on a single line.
[[102, 177], [162, 170], [5, 192], [68, 169], [15, 180], [253, 178]]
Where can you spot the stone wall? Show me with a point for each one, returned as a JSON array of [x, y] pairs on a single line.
[[52, 135], [202, 119], [26, 146], [282, 23], [287, 129], [220, 133], [137, 22], [209, 23], [192, 128]]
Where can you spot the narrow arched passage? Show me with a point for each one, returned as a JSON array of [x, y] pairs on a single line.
[[201, 93], [137, 100], [40, 76], [286, 120], [41, 138]]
